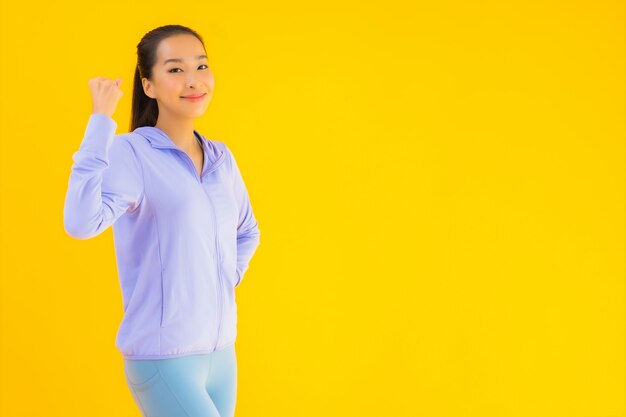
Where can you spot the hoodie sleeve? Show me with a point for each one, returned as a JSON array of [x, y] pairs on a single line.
[[105, 182], [248, 233]]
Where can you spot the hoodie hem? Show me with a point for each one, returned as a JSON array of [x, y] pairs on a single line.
[[179, 354]]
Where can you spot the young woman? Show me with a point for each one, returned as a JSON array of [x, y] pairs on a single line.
[[183, 227]]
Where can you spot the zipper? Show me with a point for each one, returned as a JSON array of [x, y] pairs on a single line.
[[219, 275]]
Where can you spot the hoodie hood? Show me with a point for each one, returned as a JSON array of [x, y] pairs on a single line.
[[159, 139]]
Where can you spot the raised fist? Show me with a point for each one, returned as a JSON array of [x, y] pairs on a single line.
[[105, 93]]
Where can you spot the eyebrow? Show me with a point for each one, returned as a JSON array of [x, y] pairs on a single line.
[[180, 60]]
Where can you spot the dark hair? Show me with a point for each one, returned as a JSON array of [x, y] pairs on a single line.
[[145, 110]]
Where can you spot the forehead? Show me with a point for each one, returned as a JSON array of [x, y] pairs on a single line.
[[185, 47]]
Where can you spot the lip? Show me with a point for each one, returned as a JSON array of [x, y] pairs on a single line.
[[194, 97]]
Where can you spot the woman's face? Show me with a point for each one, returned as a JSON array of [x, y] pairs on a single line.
[[181, 70]]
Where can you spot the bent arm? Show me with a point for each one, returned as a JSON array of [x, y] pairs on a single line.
[[105, 182], [248, 232]]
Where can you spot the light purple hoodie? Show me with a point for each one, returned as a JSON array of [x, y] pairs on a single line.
[[182, 242]]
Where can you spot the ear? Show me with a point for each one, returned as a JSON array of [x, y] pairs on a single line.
[[147, 88]]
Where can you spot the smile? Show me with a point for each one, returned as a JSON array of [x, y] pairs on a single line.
[[194, 98]]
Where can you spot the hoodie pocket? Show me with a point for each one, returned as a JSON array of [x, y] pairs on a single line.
[[229, 266]]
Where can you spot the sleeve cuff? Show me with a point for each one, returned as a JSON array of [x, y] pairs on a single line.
[[99, 133]]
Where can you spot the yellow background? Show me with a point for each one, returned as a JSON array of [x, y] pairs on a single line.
[[439, 188]]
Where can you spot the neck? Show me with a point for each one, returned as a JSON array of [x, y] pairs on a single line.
[[180, 131]]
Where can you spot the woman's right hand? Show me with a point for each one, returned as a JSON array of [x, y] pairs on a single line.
[[105, 94]]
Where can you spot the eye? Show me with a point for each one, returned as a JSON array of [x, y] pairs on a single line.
[[172, 70]]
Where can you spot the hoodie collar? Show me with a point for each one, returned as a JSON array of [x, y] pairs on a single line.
[[159, 139]]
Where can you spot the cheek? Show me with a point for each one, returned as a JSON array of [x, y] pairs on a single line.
[[171, 88], [171, 84], [210, 80]]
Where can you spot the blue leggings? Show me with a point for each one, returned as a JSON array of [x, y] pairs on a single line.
[[200, 385]]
